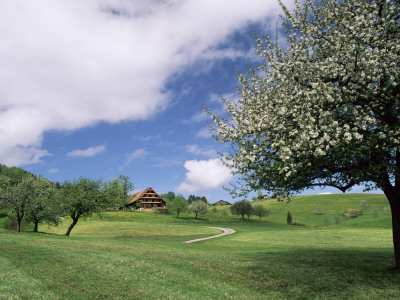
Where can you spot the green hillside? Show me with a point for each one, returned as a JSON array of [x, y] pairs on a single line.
[[330, 208], [137, 255]]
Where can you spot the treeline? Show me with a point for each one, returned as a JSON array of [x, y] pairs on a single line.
[[178, 203], [37, 200]]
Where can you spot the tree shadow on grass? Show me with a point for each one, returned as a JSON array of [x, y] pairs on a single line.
[[325, 273]]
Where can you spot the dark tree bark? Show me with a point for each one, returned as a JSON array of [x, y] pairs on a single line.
[[19, 224], [74, 221], [35, 229], [393, 196]]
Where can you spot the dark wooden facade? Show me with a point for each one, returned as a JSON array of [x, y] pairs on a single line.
[[221, 203], [148, 200]]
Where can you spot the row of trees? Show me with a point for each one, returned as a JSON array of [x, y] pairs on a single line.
[[37, 200], [178, 203], [245, 208]]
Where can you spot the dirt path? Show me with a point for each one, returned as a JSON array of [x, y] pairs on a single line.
[[226, 231]]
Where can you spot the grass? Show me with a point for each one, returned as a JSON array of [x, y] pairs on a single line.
[[127, 255]]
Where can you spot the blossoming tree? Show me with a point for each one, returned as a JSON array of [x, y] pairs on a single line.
[[324, 109]]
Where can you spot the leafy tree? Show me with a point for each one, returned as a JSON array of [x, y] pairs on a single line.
[[44, 206], [127, 186], [83, 197], [170, 196], [204, 199], [260, 211], [178, 205], [17, 196], [324, 109], [198, 207], [241, 208]]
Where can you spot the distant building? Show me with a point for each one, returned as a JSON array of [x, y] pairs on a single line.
[[222, 203], [263, 197], [147, 200]]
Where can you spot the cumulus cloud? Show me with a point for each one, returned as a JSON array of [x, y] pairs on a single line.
[[70, 64], [204, 175], [92, 151]]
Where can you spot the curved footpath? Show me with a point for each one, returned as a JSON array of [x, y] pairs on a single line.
[[226, 231]]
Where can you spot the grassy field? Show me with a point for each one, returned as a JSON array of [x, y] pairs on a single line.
[[133, 255]]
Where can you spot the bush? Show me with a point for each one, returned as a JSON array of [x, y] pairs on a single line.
[[319, 211], [337, 220], [376, 212], [387, 209], [289, 219], [352, 212], [364, 204]]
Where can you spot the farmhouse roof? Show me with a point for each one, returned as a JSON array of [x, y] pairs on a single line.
[[142, 194]]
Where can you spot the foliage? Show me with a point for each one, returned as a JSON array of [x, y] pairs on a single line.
[[319, 211], [193, 198], [198, 207], [178, 205], [82, 197], [364, 204], [289, 219], [127, 186], [260, 211], [168, 197], [17, 196], [324, 110], [241, 208], [352, 212], [44, 206]]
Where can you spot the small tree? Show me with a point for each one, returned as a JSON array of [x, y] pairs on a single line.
[[127, 186], [260, 211], [241, 208], [44, 206], [178, 205], [83, 197], [198, 207], [289, 219], [17, 196]]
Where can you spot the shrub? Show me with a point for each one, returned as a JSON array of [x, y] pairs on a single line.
[[352, 212], [289, 219], [337, 220], [319, 211], [364, 204], [387, 209], [376, 212]]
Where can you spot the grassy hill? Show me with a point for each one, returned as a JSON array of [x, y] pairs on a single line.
[[134, 255]]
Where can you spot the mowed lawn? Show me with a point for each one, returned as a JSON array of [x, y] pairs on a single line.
[[130, 255]]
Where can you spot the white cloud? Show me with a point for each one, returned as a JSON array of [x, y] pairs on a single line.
[[137, 154], [70, 64], [204, 175], [195, 149], [204, 133], [87, 152], [53, 170]]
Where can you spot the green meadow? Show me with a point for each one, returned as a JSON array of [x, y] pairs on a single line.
[[137, 255]]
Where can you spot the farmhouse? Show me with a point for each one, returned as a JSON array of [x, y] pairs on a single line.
[[147, 200], [221, 203]]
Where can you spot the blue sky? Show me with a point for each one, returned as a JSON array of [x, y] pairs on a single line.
[[100, 88]]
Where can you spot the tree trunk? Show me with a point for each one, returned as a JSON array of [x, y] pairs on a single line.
[[394, 201], [35, 229], [74, 221], [19, 224]]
